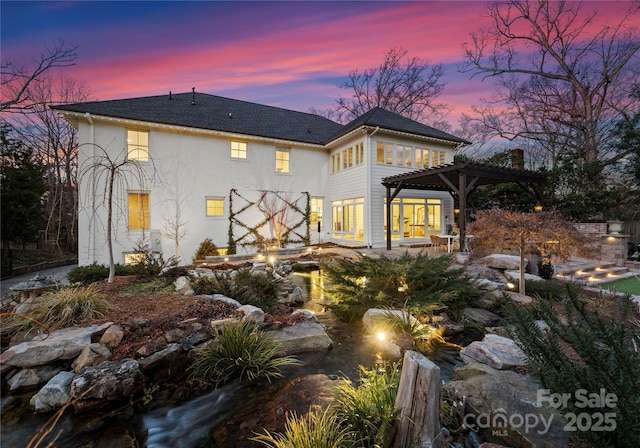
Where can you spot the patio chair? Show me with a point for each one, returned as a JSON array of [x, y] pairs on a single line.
[[438, 242]]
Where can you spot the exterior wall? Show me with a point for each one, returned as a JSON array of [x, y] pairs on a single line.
[[365, 181], [378, 191], [184, 169]]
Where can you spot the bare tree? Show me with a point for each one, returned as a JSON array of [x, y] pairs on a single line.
[[558, 83], [56, 145], [110, 178], [408, 86], [16, 82]]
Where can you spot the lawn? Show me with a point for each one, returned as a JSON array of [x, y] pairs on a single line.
[[629, 285]]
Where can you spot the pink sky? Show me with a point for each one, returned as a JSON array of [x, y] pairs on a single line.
[[289, 54]]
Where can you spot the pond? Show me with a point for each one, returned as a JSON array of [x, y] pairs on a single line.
[[188, 424]]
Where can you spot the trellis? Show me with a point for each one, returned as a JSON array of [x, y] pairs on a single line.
[[299, 232]]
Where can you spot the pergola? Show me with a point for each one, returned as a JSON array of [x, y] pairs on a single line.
[[460, 179]]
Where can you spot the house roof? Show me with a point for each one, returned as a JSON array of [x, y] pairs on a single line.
[[211, 112], [378, 117]]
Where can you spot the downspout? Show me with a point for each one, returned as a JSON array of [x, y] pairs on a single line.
[[92, 229], [369, 162]]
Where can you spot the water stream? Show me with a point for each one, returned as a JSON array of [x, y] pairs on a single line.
[[188, 424]]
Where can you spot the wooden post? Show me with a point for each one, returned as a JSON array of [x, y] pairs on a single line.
[[418, 425]]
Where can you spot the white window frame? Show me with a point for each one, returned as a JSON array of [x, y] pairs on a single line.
[[206, 206]]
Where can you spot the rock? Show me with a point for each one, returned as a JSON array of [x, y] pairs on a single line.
[[112, 337], [66, 343], [224, 299], [216, 325], [90, 356], [302, 337], [54, 394], [293, 298], [181, 282], [520, 299], [514, 275], [498, 396], [490, 285], [374, 316], [252, 313], [34, 376], [162, 366], [478, 315], [306, 314], [501, 261], [186, 291], [495, 351], [110, 381]]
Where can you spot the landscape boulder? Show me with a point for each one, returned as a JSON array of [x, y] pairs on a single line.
[[503, 407], [495, 351], [66, 343], [504, 262], [54, 394], [110, 381], [302, 337]]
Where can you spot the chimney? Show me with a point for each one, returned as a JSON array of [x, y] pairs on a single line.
[[193, 96], [517, 159], [170, 95]]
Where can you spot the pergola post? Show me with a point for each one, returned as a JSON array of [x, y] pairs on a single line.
[[462, 203], [388, 206]]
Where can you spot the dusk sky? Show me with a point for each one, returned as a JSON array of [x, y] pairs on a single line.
[[289, 54]]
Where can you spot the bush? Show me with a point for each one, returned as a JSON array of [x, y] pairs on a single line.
[[246, 287], [92, 273], [315, 430], [240, 352], [68, 307], [369, 410], [149, 263], [206, 248], [583, 349], [360, 417], [548, 289], [261, 290], [424, 283], [545, 268]]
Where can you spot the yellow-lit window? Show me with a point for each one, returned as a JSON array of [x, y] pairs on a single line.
[[138, 145], [316, 207], [138, 211], [282, 160], [238, 150], [422, 158], [359, 153], [215, 206], [336, 162], [134, 258], [385, 153]]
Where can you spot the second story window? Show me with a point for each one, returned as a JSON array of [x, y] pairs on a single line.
[[238, 150], [282, 160], [138, 145]]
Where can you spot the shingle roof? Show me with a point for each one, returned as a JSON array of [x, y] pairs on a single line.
[[389, 120], [211, 112], [216, 113]]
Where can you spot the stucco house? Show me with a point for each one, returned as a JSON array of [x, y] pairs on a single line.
[[248, 176]]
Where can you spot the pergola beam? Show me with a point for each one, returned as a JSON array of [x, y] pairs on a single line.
[[460, 179]]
